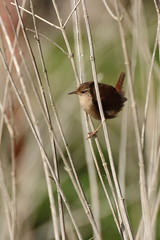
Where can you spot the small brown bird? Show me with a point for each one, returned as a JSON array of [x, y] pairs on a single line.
[[112, 99]]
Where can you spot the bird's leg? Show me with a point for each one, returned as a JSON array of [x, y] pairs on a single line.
[[94, 134]]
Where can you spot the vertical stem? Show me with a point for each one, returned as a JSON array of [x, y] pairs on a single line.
[[13, 173], [90, 164], [53, 147], [93, 65], [143, 188]]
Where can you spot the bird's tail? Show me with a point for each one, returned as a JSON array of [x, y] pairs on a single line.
[[119, 85]]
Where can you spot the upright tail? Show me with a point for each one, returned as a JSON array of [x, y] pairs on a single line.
[[119, 85]]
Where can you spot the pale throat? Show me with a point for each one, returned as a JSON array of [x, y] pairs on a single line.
[[86, 102]]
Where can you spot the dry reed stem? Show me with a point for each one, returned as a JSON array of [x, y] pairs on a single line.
[[124, 216], [90, 164], [113, 196], [86, 205], [53, 148], [143, 187], [45, 158]]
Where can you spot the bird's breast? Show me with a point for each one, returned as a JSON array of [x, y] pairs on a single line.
[[86, 102]]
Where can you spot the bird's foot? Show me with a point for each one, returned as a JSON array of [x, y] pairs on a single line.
[[92, 134]]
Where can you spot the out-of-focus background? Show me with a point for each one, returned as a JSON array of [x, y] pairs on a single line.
[[27, 208]]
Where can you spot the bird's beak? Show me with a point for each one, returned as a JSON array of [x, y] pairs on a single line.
[[74, 92]]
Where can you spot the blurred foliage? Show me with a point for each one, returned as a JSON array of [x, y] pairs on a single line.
[[110, 63]]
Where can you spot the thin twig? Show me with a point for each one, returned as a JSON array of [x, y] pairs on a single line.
[[48, 39], [74, 8], [122, 150], [44, 155], [90, 215], [111, 13], [40, 18], [148, 89], [54, 155], [13, 173], [93, 65], [5, 195], [90, 164], [71, 55], [33, 118], [7, 198], [143, 188]]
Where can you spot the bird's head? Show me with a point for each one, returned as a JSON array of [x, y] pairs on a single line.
[[84, 89]]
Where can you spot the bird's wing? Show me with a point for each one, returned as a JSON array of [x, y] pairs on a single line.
[[107, 93]]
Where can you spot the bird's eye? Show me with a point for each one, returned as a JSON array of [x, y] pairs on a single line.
[[83, 91]]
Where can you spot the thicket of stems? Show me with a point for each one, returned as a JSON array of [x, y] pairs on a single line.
[[29, 88]]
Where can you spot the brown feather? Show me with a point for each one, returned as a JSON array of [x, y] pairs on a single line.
[[119, 85], [112, 98]]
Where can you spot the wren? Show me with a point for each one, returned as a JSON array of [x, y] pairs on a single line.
[[112, 99]]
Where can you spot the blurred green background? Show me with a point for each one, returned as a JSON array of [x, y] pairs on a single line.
[[140, 31]]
